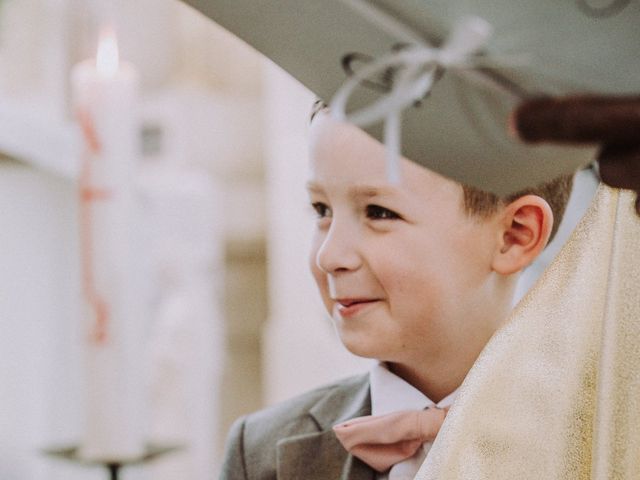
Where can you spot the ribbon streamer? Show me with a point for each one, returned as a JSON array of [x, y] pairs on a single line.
[[416, 68]]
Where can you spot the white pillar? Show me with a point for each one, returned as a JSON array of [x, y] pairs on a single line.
[[184, 224], [39, 335]]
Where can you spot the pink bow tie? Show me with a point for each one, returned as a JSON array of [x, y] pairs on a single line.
[[381, 441]]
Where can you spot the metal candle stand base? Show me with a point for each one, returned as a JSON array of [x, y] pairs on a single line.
[[72, 454]]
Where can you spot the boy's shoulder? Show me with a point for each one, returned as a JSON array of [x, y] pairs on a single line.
[[254, 439]]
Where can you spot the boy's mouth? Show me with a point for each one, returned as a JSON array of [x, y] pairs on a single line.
[[349, 307], [347, 302]]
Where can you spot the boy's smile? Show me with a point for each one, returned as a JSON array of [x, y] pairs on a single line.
[[348, 307], [403, 270]]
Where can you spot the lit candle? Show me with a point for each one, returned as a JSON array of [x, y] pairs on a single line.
[[105, 93]]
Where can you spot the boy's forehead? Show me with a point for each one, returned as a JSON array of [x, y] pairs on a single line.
[[343, 155], [329, 137]]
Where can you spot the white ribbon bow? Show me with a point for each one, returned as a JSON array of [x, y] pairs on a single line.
[[415, 68]]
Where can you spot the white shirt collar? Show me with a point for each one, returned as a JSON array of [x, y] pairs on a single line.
[[390, 393]]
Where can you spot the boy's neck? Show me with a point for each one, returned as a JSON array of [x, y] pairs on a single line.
[[436, 385]]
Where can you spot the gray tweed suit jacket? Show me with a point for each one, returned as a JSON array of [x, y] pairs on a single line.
[[295, 441]]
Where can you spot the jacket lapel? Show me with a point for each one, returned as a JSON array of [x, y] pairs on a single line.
[[319, 455]]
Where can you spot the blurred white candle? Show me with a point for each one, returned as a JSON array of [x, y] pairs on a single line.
[[105, 92]]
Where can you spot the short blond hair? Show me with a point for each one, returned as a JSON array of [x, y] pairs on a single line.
[[555, 192]]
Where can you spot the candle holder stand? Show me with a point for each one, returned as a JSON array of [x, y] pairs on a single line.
[[151, 453]]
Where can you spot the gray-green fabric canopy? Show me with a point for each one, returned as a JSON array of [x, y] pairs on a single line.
[[541, 47]]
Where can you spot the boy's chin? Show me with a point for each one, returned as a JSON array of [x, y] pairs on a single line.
[[362, 347]]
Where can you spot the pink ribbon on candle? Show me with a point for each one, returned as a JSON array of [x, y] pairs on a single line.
[[90, 194]]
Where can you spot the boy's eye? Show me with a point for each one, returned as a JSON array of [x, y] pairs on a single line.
[[322, 210], [376, 212]]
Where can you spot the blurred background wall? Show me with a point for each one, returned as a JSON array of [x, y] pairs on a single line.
[[234, 322]]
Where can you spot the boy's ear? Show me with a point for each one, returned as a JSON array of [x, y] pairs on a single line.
[[525, 228]]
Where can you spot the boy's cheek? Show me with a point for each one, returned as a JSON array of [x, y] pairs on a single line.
[[405, 276], [321, 280]]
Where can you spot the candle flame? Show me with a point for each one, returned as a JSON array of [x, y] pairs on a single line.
[[107, 59]]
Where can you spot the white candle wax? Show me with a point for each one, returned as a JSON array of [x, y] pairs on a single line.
[[105, 95]]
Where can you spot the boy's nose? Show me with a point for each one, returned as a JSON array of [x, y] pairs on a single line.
[[338, 252]]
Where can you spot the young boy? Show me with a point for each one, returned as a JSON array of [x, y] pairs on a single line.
[[418, 276]]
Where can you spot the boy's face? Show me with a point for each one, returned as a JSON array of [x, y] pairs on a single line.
[[403, 271]]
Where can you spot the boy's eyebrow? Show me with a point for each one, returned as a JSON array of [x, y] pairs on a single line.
[[370, 191], [358, 191]]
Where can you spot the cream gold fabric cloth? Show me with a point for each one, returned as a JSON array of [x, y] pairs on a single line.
[[555, 395]]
